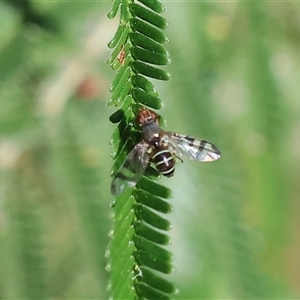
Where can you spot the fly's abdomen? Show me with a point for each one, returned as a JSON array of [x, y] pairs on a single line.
[[164, 161]]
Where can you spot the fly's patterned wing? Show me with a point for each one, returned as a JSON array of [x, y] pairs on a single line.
[[186, 146], [131, 170]]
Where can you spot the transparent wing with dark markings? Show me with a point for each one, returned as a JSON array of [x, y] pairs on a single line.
[[131, 170], [191, 148]]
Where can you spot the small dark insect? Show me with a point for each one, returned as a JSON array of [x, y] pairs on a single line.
[[161, 148]]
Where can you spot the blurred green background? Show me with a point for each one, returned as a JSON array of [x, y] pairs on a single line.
[[235, 82]]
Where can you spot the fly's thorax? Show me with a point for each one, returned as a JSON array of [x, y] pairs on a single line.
[[151, 132]]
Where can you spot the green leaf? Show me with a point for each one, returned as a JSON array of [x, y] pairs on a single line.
[[150, 57], [148, 15], [144, 84], [134, 243], [152, 261], [150, 217], [25, 227], [147, 43], [149, 292], [149, 71], [148, 30], [152, 201], [146, 99], [154, 5], [117, 116], [116, 82], [119, 44], [152, 187], [116, 38], [150, 234], [155, 281], [114, 10], [144, 244], [120, 91]]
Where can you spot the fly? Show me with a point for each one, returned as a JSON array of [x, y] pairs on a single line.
[[161, 148]]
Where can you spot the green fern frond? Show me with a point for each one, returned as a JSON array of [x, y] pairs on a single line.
[[136, 254], [80, 174], [27, 261]]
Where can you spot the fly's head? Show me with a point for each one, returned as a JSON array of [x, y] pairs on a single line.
[[146, 116]]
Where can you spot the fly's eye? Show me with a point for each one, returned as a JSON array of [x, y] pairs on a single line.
[[140, 119], [154, 116]]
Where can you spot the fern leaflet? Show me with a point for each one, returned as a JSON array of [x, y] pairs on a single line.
[[136, 254]]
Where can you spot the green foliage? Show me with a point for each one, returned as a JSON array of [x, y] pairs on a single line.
[[235, 82], [26, 235], [138, 45]]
